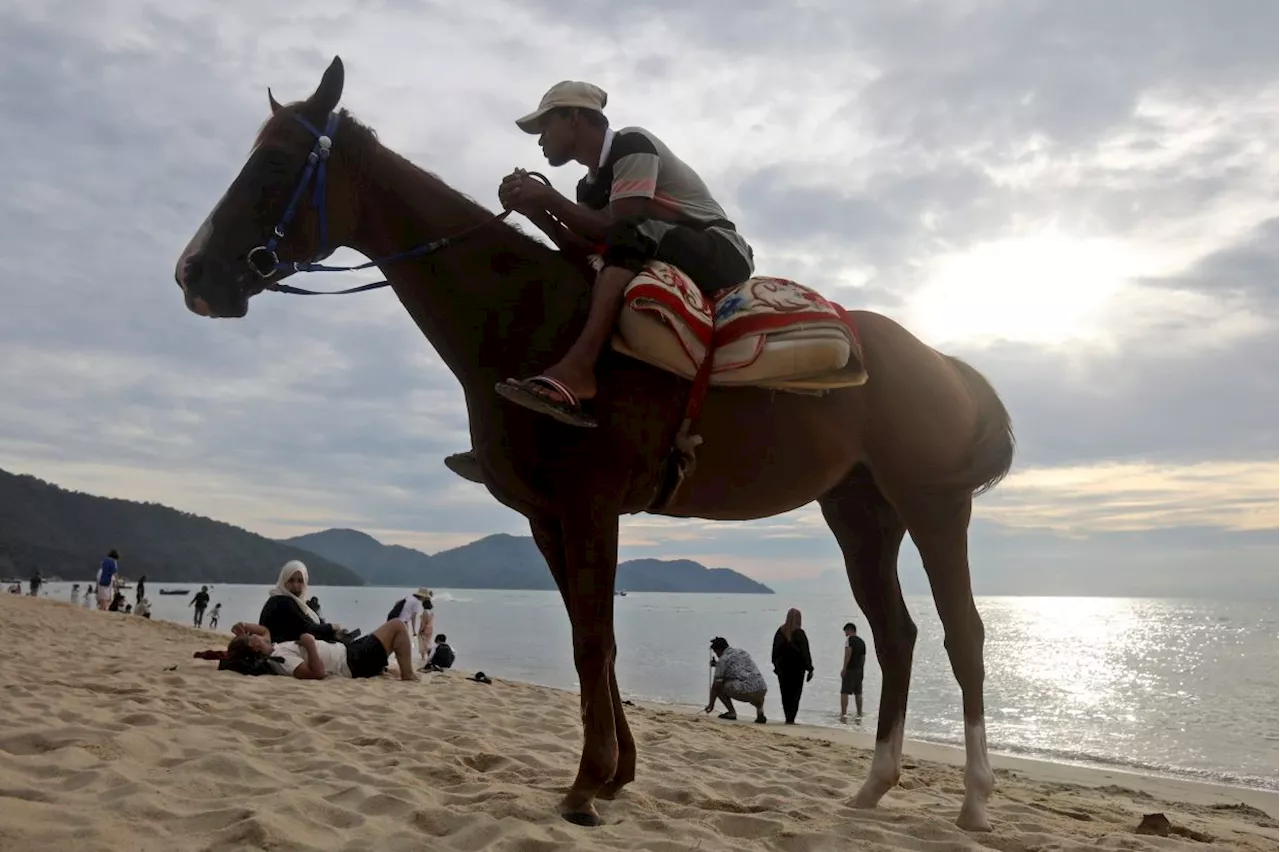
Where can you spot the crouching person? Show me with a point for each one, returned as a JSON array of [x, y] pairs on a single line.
[[310, 658], [736, 678]]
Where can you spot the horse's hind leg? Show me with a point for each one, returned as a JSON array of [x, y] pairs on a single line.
[[869, 533], [940, 529]]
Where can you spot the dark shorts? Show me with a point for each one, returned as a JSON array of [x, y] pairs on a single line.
[[707, 257], [851, 683], [366, 657]]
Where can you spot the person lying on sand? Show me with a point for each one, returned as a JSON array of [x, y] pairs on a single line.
[[310, 658], [737, 678]]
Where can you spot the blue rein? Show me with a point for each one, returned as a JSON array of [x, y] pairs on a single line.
[[264, 260]]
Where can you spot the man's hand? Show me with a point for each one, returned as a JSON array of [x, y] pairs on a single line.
[[709, 708], [844, 673], [307, 643], [810, 677], [523, 193]]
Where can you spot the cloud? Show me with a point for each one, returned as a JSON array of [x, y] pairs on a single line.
[[942, 162]]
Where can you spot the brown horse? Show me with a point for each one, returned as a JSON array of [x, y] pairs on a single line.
[[904, 452]]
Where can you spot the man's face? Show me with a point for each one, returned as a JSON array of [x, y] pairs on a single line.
[[259, 644], [295, 584], [558, 137]]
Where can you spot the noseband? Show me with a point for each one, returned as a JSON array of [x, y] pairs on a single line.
[[264, 260]]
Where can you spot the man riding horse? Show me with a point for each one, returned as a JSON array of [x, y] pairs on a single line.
[[638, 202]]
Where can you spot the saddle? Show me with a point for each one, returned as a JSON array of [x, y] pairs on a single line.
[[766, 332]]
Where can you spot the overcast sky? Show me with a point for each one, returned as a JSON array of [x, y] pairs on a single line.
[[1080, 198]]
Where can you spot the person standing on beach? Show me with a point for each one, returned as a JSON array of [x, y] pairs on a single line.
[[75, 592], [408, 608], [90, 592], [855, 658], [107, 578], [426, 628], [736, 678], [140, 589], [213, 616], [792, 663], [36, 580], [200, 600]]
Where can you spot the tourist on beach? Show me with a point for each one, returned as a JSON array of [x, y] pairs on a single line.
[[855, 658], [143, 608], [75, 593], [408, 608], [213, 616], [36, 580], [736, 679], [441, 656], [287, 614], [427, 627], [107, 573], [792, 663], [90, 593], [140, 590], [117, 602], [200, 600], [315, 659]]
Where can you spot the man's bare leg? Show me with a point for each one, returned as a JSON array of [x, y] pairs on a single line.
[[395, 638], [858, 703], [844, 708], [757, 701], [577, 369]]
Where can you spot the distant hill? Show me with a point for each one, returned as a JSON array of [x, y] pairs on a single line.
[[66, 533], [505, 562]]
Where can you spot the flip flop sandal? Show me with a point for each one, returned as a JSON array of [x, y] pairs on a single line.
[[567, 410]]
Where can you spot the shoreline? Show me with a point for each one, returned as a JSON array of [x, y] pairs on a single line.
[[942, 752], [1260, 797], [1198, 792]]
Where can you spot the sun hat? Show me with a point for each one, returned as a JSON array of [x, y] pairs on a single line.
[[566, 93]]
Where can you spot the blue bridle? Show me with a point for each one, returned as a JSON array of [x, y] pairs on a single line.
[[264, 260]]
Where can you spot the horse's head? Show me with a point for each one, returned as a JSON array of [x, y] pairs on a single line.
[[290, 203]]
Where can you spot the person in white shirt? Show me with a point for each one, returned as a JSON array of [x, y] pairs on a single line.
[[410, 608], [310, 658]]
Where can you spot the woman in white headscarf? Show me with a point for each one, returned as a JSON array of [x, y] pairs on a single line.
[[286, 614]]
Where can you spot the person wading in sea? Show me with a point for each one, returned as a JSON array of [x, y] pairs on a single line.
[[792, 663]]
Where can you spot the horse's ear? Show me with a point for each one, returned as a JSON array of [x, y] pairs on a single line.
[[326, 96], [271, 99]]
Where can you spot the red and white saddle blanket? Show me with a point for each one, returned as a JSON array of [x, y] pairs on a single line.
[[768, 332]]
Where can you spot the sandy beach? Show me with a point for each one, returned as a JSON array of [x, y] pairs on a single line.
[[115, 738]]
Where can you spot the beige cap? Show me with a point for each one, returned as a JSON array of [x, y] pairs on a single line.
[[423, 593], [567, 93]]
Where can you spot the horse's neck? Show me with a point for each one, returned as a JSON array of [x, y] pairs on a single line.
[[488, 301]]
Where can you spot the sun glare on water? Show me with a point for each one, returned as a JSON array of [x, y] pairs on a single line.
[[1047, 288]]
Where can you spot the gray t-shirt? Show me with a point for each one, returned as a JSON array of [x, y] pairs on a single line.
[[637, 164]]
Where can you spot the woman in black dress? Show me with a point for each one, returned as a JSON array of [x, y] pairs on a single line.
[[286, 614], [792, 663]]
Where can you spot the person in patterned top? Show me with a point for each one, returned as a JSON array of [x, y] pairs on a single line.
[[736, 679]]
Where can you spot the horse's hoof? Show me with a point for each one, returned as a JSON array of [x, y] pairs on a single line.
[[610, 791], [586, 819]]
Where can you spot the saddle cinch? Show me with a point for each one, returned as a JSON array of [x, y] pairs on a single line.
[[767, 332]]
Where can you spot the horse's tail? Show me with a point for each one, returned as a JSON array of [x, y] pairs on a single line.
[[991, 455]]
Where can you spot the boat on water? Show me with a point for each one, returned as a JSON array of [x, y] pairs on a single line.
[[173, 591]]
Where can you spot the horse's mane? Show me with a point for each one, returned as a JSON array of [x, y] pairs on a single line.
[[359, 143]]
